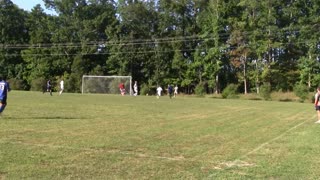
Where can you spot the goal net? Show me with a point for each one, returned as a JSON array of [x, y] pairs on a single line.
[[105, 84]]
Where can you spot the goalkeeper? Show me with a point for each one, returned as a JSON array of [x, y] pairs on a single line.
[[122, 89]]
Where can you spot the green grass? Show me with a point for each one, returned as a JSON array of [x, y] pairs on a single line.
[[76, 136]]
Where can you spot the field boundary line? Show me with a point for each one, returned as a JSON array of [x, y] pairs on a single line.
[[238, 162], [109, 151], [274, 139]]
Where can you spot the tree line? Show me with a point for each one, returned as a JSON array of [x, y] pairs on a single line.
[[206, 44]]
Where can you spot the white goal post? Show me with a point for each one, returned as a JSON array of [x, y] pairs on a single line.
[[105, 84]]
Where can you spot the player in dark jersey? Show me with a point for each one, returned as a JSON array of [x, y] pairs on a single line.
[[49, 87], [170, 91], [4, 89], [317, 103]]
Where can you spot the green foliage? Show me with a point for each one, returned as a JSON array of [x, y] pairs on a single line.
[[302, 91], [13, 31], [72, 83], [230, 91], [158, 42], [265, 91], [145, 89], [200, 90], [18, 84], [38, 84]]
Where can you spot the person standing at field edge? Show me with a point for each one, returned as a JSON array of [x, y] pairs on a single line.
[[175, 91], [4, 89], [49, 87], [317, 103], [135, 88], [170, 91], [61, 86], [122, 89], [159, 90]]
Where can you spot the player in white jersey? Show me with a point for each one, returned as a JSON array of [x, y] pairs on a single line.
[[159, 91], [135, 88], [61, 87]]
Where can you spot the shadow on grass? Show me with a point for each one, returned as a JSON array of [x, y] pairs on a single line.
[[215, 97], [255, 99], [286, 100]]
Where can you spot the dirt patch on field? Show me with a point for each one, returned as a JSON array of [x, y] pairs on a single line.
[[236, 163], [192, 116]]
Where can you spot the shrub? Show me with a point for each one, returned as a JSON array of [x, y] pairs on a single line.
[[265, 91], [230, 91], [17, 84], [301, 91], [38, 84], [199, 90], [72, 83], [145, 89], [312, 98]]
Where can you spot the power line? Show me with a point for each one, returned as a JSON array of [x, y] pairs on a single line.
[[106, 53], [107, 43], [101, 46], [201, 49], [152, 41]]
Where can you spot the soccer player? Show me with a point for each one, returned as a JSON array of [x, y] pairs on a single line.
[[122, 89], [170, 91], [159, 90], [317, 103], [61, 87], [175, 91], [4, 89], [135, 88], [49, 89]]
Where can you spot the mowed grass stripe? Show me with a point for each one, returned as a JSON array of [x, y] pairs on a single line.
[[109, 136]]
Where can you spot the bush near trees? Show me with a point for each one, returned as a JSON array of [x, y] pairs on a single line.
[[248, 44], [18, 84], [265, 91], [301, 91], [38, 84], [200, 90], [230, 91]]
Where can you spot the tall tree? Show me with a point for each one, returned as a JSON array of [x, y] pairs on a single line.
[[309, 39], [132, 47], [178, 22], [83, 28], [40, 63], [13, 33]]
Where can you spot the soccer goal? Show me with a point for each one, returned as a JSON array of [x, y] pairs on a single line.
[[105, 84]]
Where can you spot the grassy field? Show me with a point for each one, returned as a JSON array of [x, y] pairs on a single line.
[[76, 136]]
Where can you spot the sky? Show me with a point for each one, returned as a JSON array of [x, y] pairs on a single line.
[[29, 4]]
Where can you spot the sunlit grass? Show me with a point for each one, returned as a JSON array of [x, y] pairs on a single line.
[[76, 136]]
